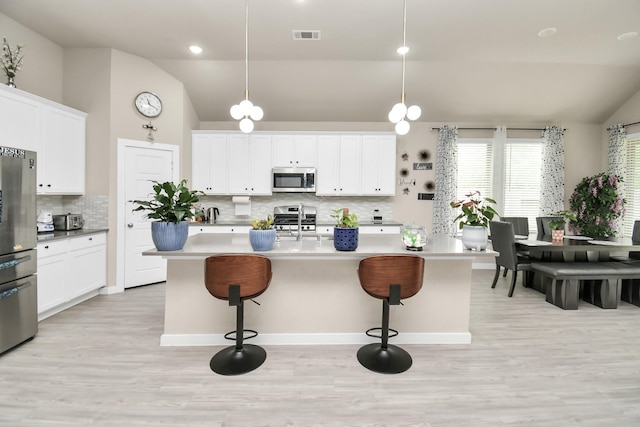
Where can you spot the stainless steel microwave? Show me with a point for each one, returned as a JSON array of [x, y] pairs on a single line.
[[293, 180]]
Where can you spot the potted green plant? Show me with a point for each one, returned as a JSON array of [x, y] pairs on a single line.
[[558, 224], [11, 61], [171, 205], [476, 214], [262, 235], [345, 232], [598, 205]]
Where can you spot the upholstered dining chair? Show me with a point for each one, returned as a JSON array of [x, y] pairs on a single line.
[[236, 278], [542, 222], [390, 278], [503, 241], [520, 228]]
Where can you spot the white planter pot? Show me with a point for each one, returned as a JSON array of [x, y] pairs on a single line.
[[474, 237]]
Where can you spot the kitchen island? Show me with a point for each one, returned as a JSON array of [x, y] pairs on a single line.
[[315, 296]]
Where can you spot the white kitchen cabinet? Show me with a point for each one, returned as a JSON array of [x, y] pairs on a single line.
[[378, 165], [20, 119], [249, 167], [53, 274], [367, 229], [294, 150], [88, 263], [339, 165], [209, 163], [54, 131], [70, 271], [61, 152]]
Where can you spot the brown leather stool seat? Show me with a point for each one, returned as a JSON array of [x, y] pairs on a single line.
[[236, 278], [390, 278]]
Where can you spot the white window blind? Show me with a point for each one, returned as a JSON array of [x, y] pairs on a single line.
[[522, 179], [475, 167], [510, 173], [632, 184]]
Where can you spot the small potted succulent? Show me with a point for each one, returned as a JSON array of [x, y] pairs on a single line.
[[476, 214], [557, 225], [172, 205], [262, 234], [345, 232]]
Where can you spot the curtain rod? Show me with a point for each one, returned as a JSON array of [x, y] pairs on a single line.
[[493, 129], [627, 125]]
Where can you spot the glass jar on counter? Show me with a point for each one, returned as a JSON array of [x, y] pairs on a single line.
[[414, 237]]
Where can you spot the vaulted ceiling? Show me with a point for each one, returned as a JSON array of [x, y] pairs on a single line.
[[470, 60]]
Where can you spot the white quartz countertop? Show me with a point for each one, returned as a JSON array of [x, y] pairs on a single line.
[[247, 222], [203, 245]]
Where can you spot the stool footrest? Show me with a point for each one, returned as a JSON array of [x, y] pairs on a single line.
[[370, 332], [247, 334]]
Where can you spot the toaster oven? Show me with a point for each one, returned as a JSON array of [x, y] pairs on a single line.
[[68, 222]]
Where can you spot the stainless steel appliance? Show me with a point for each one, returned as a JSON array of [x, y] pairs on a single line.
[[212, 215], [293, 180], [287, 218], [18, 239], [68, 222], [44, 222]]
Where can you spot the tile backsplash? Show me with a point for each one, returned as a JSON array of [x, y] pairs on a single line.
[[261, 206], [94, 209]]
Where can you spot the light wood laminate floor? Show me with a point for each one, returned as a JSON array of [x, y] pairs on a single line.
[[530, 364]]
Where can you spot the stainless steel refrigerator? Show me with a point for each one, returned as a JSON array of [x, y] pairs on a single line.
[[18, 240]]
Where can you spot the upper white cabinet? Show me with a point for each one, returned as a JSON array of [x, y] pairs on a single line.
[[231, 163], [209, 163], [347, 164], [293, 150], [61, 152], [20, 119], [54, 131], [338, 170], [378, 165]]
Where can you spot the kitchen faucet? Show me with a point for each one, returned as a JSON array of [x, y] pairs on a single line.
[[301, 216]]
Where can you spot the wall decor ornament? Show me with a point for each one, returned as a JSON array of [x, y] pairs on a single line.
[[424, 155], [404, 172], [11, 61]]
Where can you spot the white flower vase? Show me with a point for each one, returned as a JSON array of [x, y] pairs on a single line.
[[474, 237]]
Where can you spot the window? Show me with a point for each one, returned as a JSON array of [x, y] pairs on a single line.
[[508, 172], [632, 184]]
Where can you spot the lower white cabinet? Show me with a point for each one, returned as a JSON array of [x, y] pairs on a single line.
[[219, 229], [368, 229], [70, 271]]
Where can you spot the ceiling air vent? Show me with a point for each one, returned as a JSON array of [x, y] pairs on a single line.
[[306, 34]]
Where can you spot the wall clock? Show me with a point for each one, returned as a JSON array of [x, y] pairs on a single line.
[[148, 104]]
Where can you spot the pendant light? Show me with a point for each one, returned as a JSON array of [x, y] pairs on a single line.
[[245, 111], [400, 114]]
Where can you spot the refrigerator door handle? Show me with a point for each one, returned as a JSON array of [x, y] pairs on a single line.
[[14, 262]]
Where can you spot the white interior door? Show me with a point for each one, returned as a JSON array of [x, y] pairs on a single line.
[[143, 166]]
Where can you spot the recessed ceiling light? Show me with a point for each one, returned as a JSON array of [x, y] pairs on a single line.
[[197, 50], [403, 50], [547, 32], [627, 36]]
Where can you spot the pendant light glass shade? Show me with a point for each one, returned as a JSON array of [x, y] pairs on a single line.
[[245, 111], [399, 114]]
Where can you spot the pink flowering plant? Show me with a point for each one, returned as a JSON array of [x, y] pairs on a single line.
[[597, 205]]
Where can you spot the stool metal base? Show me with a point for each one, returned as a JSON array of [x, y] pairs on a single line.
[[230, 361], [392, 360]]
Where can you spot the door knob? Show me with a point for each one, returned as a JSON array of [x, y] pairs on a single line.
[[130, 225]]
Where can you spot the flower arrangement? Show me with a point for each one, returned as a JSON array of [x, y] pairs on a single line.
[[476, 210], [262, 224], [597, 205], [171, 202], [344, 219], [11, 59]]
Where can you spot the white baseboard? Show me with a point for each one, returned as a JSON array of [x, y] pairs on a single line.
[[181, 340]]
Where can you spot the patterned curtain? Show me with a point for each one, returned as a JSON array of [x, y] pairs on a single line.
[[618, 163], [552, 186], [446, 169]]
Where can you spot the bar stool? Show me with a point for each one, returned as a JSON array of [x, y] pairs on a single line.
[[236, 278], [390, 278]]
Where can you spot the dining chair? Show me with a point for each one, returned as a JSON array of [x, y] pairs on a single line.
[[542, 223], [633, 256], [520, 228], [503, 240]]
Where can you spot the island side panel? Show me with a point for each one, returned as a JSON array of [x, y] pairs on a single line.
[[318, 297]]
